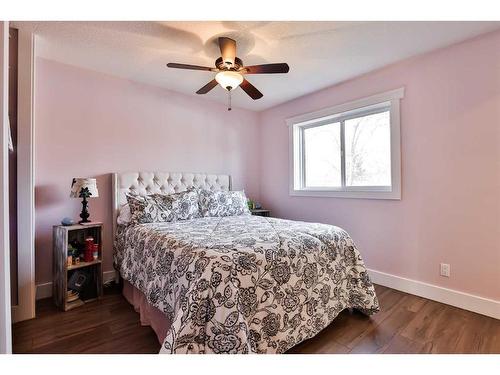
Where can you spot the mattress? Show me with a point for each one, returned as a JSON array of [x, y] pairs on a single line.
[[243, 284]]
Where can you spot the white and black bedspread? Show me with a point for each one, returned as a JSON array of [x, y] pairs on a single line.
[[244, 284]]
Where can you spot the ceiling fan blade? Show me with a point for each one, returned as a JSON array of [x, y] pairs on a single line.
[[209, 86], [228, 50], [266, 68], [190, 67], [251, 90]]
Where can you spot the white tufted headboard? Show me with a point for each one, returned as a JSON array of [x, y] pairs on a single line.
[[144, 183]]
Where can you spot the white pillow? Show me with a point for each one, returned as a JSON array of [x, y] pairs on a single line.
[[125, 215]]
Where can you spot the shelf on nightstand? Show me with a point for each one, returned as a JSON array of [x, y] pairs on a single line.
[[84, 264]]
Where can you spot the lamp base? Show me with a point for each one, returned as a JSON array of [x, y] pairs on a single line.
[[85, 213]]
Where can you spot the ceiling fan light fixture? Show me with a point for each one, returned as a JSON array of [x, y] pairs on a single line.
[[229, 79]]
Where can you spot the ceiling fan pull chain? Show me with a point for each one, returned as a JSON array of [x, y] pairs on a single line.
[[229, 101]]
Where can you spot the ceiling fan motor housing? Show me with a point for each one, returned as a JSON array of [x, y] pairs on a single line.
[[222, 65]]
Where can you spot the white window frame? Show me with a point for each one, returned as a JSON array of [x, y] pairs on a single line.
[[342, 112]]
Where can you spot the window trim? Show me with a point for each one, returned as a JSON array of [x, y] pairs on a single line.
[[342, 112]]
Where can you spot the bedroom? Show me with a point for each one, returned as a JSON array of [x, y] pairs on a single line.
[[346, 203]]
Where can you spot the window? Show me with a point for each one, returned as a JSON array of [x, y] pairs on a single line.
[[350, 151]]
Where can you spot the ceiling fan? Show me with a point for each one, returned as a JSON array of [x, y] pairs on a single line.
[[230, 71]]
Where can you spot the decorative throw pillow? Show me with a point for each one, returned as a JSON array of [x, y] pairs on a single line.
[[152, 208], [157, 208], [185, 204], [223, 203]]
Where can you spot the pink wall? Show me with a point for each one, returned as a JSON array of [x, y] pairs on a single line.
[[91, 124], [450, 206]]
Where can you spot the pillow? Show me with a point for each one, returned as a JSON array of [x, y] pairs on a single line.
[[156, 208], [152, 208], [223, 203], [125, 215], [185, 204]]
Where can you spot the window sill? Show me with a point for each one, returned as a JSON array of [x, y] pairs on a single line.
[[353, 194]]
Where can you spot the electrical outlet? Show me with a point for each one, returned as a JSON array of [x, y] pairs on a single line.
[[445, 270]]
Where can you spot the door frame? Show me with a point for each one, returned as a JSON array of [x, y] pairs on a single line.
[[25, 308], [5, 312]]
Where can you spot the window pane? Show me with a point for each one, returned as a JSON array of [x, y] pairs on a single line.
[[368, 150], [322, 156]]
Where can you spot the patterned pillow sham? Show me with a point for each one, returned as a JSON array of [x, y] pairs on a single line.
[[150, 208], [156, 208], [223, 203], [185, 204]]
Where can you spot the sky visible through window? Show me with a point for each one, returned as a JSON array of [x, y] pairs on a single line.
[[367, 152], [322, 156]]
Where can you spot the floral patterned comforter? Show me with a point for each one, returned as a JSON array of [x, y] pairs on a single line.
[[244, 284]]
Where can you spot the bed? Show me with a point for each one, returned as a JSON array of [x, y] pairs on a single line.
[[237, 284]]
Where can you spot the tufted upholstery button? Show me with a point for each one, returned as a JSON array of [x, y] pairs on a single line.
[[144, 183]]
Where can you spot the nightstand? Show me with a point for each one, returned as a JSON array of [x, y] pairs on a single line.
[[92, 270], [260, 212]]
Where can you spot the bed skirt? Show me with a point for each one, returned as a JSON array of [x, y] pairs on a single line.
[[150, 315]]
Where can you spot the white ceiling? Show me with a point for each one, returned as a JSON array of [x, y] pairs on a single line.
[[319, 54]]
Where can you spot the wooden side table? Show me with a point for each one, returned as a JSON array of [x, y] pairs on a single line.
[[260, 212], [62, 236]]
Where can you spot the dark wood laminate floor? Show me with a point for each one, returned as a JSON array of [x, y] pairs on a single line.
[[405, 324]]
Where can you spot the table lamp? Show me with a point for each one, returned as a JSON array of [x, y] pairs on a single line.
[[84, 188]]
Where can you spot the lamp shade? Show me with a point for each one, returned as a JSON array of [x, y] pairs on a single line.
[[81, 183]]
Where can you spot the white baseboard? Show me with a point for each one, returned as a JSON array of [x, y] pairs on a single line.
[[480, 305], [45, 290], [108, 276]]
